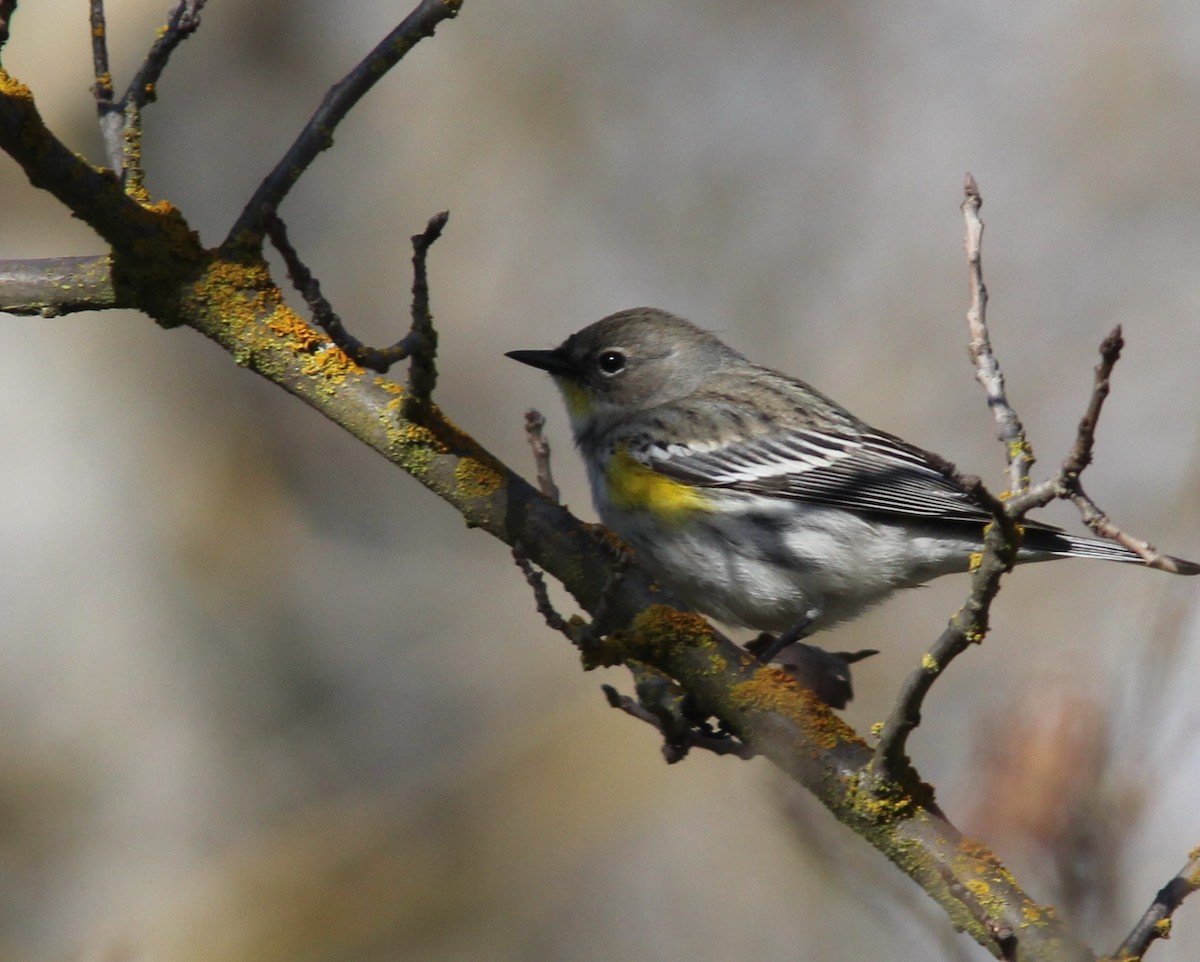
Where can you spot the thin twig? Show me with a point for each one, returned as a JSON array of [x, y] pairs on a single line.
[[419, 344], [110, 115], [661, 706], [540, 595], [317, 134], [1067, 480], [969, 625], [103, 90], [1001, 539], [1156, 923], [535, 424], [422, 371], [1066, 483], [1085, 435], [1105, 527], [182, 22], [589, 636], [375, 358], [121, 121], [987, 370]]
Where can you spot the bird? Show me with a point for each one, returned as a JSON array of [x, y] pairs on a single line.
[[755, 499]]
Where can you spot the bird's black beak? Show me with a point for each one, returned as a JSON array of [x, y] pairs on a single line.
[[553, 361]]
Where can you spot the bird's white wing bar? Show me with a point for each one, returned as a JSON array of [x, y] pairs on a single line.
[[867, 472]]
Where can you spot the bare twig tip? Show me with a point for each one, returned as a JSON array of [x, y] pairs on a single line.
[[534, 425], [1111, 346], [432, 231]]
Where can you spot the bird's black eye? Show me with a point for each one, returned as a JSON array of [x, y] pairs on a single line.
[[611, 362]]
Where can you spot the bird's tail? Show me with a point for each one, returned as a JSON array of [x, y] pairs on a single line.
[[1052, 543]]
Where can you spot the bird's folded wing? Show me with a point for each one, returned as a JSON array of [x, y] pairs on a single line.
[[871, 472]]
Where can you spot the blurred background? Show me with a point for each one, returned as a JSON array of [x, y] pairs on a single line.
[[265, 698]]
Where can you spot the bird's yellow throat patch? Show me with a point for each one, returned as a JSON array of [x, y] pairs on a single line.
[[634, 487], [579, 402]]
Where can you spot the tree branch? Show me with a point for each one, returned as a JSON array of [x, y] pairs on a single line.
[[422, 371], [1066, 483], [229, 296], [969, 625], [1156, 923], [94, 196], [110, 115], [763, 707], [53, 286], [121, 122], [378, 359], [182, 22], [987, 371], [317, 134], [535, 424]]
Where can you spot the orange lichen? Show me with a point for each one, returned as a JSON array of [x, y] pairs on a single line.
[[610, 540], [330, 362], [246, 309], [476, 479], [663, 627], [391, 387], [417, 435], [776, 690], [414, 447], [14, 89], [989, 880], [660, 631], [299, 335]]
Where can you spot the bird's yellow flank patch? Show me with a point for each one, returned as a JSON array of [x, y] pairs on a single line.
[[632, 487]]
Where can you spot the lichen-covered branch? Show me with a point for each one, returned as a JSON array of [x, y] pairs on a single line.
[[765, 708], [1156, 922], [94, 195]]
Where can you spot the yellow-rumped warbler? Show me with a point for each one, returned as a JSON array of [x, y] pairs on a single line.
[[753, 498]]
